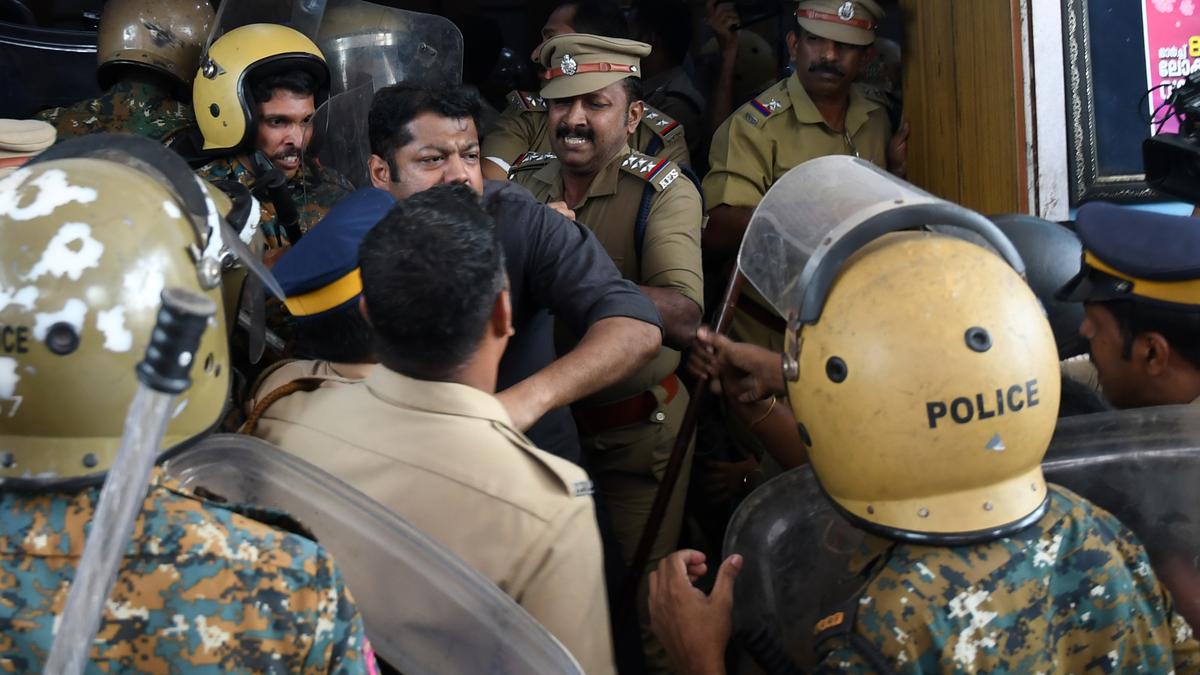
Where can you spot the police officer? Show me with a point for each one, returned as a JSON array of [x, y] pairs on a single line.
[[647, 215], [425, 436], [323, 286], [258, 88], [523, 127], [816, 111], [148, 51], [929, 435], [88, 245], [1140, 285]]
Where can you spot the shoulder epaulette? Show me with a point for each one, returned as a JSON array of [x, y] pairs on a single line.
[[663, 125], [657, 171], [526, 100], [766, 105], [531, 160]]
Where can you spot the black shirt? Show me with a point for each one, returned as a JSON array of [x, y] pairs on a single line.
[[557, 269]]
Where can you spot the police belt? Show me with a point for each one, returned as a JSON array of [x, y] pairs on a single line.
[[764, 316], [636, 409]]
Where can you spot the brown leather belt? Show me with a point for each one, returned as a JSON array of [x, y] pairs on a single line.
[[626, 412], [767, 317]]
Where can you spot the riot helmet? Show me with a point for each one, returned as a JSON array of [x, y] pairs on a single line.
[[923, 371], [92, 231], [221, 94], [165, 35]]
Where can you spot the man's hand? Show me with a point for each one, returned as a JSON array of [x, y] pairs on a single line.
[[693, 627], [562, 208], [723, 19], [897, 151], [746, 372]]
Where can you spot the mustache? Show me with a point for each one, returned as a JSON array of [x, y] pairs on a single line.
[[578, 130], [825, 67], [287, 153]]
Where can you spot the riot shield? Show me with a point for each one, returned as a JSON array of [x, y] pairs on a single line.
[[340, 140], [1143, 466], [800, 555], [425, 610], [820, 212], [369, 44], [302, 15]]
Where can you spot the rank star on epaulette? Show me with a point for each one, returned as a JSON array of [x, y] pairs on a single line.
[[637, 163]]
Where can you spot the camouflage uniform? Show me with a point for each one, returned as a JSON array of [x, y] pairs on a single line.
[[1073, 592], [201, 589], [129, 107], [315, 190]]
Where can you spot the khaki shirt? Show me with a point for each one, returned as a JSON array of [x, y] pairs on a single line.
[[446, 457], [782, 129], [670, 247], [285, 372], [523, 127], [764, 139]]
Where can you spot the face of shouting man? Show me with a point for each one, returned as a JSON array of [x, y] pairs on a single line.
[[285, 128], [588, 130]]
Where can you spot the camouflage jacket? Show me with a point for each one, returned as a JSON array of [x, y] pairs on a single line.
[[201, 589], [1072, 593], [130, 107], [314, 190]]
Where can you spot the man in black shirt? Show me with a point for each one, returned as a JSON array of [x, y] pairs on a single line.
[[557, 269]]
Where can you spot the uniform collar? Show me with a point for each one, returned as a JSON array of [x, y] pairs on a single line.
[[806, 111], [443, 398], [603, 185]]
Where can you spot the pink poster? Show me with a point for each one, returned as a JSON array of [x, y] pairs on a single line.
[[1172, 50]]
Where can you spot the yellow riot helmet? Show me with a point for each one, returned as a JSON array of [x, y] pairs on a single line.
[[221, 95], [928, 390], [922, 369], [90, 234], [166, 35]]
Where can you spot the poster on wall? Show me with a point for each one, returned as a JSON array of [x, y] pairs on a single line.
[[1172, 34]]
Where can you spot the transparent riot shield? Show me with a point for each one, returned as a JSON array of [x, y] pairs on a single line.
[[339, 138], [798, 557], [369, 44], [425, 610], [1143, 466], [302, 15], [820, 212], [801, 556]]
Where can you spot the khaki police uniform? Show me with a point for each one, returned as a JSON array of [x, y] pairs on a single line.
[[628, 430], [523, 127], [446, 457], [776, 131], [22, 140], [782, 128]]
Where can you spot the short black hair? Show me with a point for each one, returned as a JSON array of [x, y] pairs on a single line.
[[1180, 327], [341, 334], [297, 81], [431, 270], [395, 106], [633, 88], [671, 21], [598, 17]]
